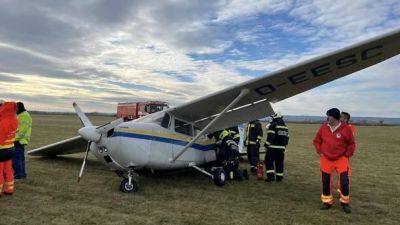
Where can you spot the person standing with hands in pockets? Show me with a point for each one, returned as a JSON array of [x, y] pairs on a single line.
[[22, 139], [334, 143]]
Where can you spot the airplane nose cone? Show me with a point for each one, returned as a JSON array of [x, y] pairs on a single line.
[[89, 133]]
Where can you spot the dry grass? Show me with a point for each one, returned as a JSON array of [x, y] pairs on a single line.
[[51, 195]]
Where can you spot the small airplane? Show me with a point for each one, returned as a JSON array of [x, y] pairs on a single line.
[[176, 137]]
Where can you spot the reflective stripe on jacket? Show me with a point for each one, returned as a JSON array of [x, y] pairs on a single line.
[[254, 133], [277, 135]]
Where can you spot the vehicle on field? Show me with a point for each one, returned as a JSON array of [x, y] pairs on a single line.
[[133, 110]]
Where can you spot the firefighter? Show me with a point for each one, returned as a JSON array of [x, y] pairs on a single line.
[[253, 139], [217, 143], [22, 139], [229, 155], [234, 133], [8, 127], [275, 145], [334, 143]]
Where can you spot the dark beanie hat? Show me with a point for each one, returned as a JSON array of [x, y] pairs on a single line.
[[334, 112]]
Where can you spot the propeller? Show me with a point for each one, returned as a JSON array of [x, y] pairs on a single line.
[[92, 133]]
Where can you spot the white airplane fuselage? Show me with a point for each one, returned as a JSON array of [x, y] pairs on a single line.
[[148, 145]]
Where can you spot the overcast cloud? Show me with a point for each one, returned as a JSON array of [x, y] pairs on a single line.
[[101, 52]]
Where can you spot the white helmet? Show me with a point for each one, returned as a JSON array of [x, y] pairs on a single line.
[[277, 115]]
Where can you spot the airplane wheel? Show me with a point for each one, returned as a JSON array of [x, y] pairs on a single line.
[[128, 188], [219, 177]]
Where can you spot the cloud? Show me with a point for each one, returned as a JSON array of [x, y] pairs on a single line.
[[16, 61], [8, 78], [240, 9]]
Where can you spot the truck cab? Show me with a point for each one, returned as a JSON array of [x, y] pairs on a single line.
[[133, 110]]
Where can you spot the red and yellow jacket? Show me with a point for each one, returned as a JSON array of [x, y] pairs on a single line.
[[8, 124], [334, 145]]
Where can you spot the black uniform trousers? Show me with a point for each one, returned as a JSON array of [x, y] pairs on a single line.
[[274, 162], [253, 154]]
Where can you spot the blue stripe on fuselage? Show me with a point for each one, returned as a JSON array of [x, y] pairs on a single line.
[[163, 139]]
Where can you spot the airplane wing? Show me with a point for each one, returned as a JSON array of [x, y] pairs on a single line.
[[64, 147], [287, 82]]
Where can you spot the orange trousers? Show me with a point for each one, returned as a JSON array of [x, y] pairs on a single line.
[[342, 168], [6, 177]]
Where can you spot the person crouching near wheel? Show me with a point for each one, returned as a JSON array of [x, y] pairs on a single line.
[[229, 156]]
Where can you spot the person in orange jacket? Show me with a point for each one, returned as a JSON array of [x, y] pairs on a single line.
[[345, 117], [334, 143], [8, 127]]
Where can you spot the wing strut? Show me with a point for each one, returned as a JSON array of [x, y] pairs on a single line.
[[243, 93]]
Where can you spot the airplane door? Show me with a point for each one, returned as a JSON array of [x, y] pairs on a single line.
[[160, 151]]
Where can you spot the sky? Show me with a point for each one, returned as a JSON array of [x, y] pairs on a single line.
[[101, 52]]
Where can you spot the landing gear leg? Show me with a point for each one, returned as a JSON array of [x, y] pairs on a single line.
[[128, 184], [217, 175]]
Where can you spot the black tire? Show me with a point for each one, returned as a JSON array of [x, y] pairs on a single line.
[[219, 177], [125, 187]]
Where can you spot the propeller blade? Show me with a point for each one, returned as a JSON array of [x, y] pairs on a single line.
[[84, 161], [108, 126], [84, 119]]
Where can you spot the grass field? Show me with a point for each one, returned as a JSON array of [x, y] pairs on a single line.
[[51, 194]]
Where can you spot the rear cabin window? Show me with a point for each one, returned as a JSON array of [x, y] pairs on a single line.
[[183, 127]]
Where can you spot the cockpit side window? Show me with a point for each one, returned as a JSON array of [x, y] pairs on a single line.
[[165, 120], [183, 127]]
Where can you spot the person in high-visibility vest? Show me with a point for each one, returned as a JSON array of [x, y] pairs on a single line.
[[334, 143], [345, 117], [8, 127], [252, 142], [22, 139]]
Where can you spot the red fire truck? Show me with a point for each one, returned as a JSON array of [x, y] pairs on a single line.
[[134, 110]]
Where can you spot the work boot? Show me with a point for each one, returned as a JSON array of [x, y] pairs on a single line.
[[346, 208], [238, 175], [269, 179], [325, 206]]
